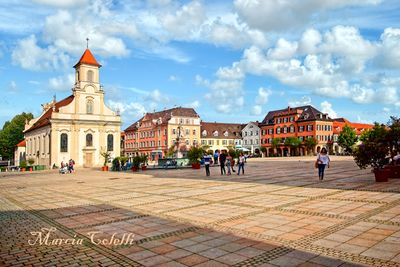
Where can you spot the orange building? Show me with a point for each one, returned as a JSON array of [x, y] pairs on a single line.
[[338, 125], [155, 132], [301, 122], [304, 122]]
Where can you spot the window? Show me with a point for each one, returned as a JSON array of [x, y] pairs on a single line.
[[309, 128], [263, 132], [89, 140], [187, 132], [194, 131], [270, 131], [90, 76], [215, 133], [224, 142], [291, 128], [64, 143], [204, 133], [187, 141], [89, 106], [285, 129], [173, 131], [203, 142], [110, 142], [278, 130]]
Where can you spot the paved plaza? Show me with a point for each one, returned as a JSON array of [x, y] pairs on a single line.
[[277, 214]]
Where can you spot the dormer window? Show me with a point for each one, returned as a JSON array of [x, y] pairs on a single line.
[[204, 133], [215, 133], [226, 133]]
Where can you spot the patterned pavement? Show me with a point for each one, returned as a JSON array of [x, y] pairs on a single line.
[[277, 214]]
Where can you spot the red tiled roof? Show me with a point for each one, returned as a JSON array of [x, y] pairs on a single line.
[[22, 143], [234, 130], [165, 116], [45, 118], [87, 58]]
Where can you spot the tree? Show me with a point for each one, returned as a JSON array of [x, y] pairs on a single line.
[[393, 134], [12, 134], [347, 138], [275, 143], [310, 143], [293, 143]]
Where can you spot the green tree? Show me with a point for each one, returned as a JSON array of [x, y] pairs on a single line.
[[12, 134], [347, 138], [275, 143], [293, 143], [393, 134], [310, 143]]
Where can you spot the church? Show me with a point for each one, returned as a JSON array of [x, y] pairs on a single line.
[[78, 127]]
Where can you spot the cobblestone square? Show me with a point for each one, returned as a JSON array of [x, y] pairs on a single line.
[[277, 214]]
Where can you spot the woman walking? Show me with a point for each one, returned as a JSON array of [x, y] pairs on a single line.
[[241, 163], [322, 161], [228, 163]]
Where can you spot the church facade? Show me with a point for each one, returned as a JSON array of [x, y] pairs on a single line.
[[78, 127]]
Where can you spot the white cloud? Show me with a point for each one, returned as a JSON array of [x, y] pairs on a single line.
[[173, 78], [132, 109], [62, 3], [195, 104], [256, 110], [62, 83], [263, 95], [13, 87], [30, 56], [276, 15], [390, 48], [326, 107], [157, 96], [305, 100]]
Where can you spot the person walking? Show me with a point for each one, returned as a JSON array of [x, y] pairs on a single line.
[[228, 163], [323, 160], [241, 163], [216, 156], [207, 161], [222, 160]]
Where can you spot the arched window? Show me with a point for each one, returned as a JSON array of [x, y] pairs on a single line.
[[90, 76], [89, 106], [89, 140], [64, 142], [110, 142]]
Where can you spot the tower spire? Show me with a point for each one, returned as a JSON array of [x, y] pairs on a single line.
[[87, 43]]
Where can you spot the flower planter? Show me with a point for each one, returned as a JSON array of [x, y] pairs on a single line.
[[381, 175], [23, 169], [104, 168], [394, 170], [134, 169], [144, 168], [30, 169], [196, 166]]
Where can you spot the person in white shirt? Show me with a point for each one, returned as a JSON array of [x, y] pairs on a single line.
[[323, 160], [241, 163]]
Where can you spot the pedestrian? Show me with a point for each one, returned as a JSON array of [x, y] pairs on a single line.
[[216, 156], [241, 163], [71, 163], [207, 161], [222, 159], [229, 163], [323, 160]]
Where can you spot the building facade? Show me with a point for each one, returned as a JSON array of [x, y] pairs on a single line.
[[338, 125], [156, 132], [251, 137], [220, 136], [300, 122], [20, 152], [78, 127]]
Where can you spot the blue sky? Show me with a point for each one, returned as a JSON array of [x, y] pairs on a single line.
[[232, 61]]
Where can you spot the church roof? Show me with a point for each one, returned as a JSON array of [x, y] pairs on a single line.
[[87, 58], [45, 118]]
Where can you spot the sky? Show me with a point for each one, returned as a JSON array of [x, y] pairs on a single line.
[[233, 61]]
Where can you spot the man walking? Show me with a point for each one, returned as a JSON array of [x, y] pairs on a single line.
[[207, 161], [222, 159]]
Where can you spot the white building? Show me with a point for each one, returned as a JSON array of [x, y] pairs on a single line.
[[78, 127], [251, 136]]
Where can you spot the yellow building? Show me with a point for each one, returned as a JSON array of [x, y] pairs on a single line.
[[78, 127], [220, 136]]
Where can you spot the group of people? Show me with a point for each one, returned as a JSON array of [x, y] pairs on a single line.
[[225, 160], [67, 167]]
